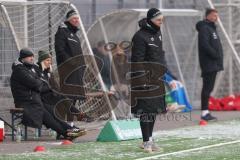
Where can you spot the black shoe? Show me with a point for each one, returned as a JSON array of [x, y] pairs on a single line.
[[60, 137], [209, 117]]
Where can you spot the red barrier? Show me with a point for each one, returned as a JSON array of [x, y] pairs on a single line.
[[1, 131], [228, 103]]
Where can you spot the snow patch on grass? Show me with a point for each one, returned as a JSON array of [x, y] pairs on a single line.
[[223, 130]]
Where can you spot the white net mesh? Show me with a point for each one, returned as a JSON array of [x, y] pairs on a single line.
[[34, 24], [95, 105], [180, 41], [24, 24], [227, 81], [180, 46]]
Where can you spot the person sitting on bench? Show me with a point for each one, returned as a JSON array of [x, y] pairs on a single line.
[[26, 87], [52, 100]]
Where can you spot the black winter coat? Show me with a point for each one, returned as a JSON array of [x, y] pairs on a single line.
[[147, 47], [51, 100], [210, 47], [68, 45], [26, 86], [50, 97]]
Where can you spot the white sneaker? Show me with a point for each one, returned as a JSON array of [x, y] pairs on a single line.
[[155, 148], [147, 147], [174, 107]]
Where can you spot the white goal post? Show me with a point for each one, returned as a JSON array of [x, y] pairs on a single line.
[[34, 24]]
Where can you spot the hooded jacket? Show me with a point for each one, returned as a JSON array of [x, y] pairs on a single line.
[[68, 45], [26, 87], [147, 47], [210, 47], [51, 97], [147, 44]]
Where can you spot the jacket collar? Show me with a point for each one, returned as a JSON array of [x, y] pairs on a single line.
[[18, 62], [211, 24], [144, 24], [71, 27]]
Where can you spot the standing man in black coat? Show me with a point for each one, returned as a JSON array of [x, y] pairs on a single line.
[[27, 86], [210, 58], [67, 46], [147, 47]]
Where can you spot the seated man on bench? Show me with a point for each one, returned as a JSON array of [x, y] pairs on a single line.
[[26, 88]]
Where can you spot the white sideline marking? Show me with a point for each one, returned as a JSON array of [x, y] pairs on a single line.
[[189, 150]]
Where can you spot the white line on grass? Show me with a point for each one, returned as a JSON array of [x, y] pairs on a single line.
[[189, 150]]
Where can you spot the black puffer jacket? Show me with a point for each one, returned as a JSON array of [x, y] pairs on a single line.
[[68, 45], [26, 87], [210, 47], [25, 83], [147, 47], [49, 97]]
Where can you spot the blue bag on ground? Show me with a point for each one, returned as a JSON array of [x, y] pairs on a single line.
[[178, 95]]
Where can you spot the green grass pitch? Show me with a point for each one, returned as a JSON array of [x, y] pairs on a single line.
[[171, 141]]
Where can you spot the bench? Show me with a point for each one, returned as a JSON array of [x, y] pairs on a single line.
[[17, 114]]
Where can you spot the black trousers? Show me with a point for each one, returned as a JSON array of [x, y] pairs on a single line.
[[208, 86], [52, 98], [50, 121], [147, 121]]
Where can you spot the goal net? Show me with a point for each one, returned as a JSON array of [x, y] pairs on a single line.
[[179, 41], [115, 31], [33, 24], [227, 82], [24, 24]]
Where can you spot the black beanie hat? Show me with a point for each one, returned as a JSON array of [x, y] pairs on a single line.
[[42, 55], [153, 12], [209, 10], [71, 13], [25, 52]]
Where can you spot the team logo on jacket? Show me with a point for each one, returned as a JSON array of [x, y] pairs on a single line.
[[160, 38], [215, 35], [152, 39], [33, 70]]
